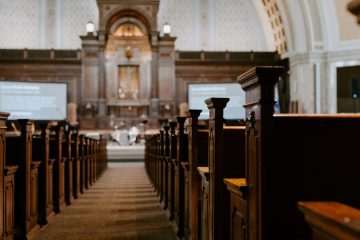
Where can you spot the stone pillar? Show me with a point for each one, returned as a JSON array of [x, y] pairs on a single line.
[[166, 71], [102, 78], [154, 100], [90, 70]]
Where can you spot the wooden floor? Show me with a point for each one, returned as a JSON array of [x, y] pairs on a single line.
[[121, 205]]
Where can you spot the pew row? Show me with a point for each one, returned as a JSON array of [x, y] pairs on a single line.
[[36, 182], [7, 186], [187, 196], [285, 159], [291, 158], [19, 152]]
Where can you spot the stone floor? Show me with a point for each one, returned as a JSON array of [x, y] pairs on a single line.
[[121, 205]]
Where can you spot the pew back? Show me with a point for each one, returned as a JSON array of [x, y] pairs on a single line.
[[292, 158]]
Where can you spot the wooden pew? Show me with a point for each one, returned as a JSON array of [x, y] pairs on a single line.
[[150, 156], [82, 156], [7, 185], [291, 158], [171, 170], [19, 152], [160, 154], [102, 155], [67, 155], [332, 220], [198, 157], [93, 160], [87, 160], [165, 158], [41, 152], [38, 192], [150, 164], [75, 145], [56, 138], [238, 211], [226, 160], [179, 194], [186, 169], [96, 159]]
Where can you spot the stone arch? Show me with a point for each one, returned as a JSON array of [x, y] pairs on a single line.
[[131, 20], [273, 23], [130, 15]]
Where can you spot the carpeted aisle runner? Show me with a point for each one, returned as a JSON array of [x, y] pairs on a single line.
[[121, 205]]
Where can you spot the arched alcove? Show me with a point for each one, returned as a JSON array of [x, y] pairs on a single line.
[[128, 54]]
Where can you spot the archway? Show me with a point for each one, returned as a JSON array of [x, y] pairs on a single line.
[[128, 55]]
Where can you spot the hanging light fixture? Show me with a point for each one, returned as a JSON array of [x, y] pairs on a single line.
[[167, 28], [90, 27]]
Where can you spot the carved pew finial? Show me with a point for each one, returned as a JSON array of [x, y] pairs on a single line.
[[181, 121], [216, 107], [216, 166], [258, 84], [193, 126], [194, 116]]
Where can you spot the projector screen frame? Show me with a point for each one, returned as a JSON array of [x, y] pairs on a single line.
[[42, 83]]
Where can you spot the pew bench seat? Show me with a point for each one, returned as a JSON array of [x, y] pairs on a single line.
[[332, 220], [238, 214], [9, 195], [236, 185], [204, 205]]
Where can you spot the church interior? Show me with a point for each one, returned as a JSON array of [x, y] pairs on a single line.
[[169, 119]]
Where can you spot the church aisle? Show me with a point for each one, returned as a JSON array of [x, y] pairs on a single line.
[[121, 205]]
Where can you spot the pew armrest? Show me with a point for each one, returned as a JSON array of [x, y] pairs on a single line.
[[204, 172], [51, 161], [35, 164], [237, 186], [8, 170], [333, 219], [185, 165], [175, 161]]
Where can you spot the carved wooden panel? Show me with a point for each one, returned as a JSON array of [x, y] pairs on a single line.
[[252, 142], [33, 197], [9, 204], [205, 209], [238, 218], [50, 185]]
